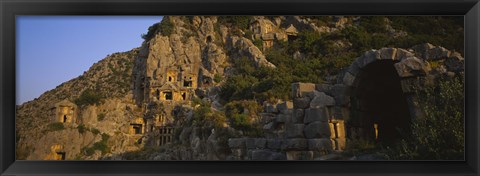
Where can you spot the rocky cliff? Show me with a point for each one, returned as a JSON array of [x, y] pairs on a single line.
[[170, 98]]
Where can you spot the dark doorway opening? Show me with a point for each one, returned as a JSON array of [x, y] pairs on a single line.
[[64, 118], [187, 82], [137, 128], [379, 108], [61, 155], [291, 38], [209, 39], [184, 96], [168, 96]]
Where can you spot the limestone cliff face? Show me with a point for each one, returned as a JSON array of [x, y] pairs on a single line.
[[141, 104], [53, 120], [167, 71]]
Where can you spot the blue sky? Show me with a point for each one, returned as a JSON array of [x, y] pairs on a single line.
[[54, 49]]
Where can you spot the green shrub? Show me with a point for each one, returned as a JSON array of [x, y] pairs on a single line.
[[241, 115], [240, 121], [81, 128], [374, 24], [240, 107], [357, 147], [89, 97], [101, 116], [100, 146], [217, 78], [248, 34], [205, 117], [439, 135], [258, 43], [152, 30], [166, 28], [55, 126], [437, 30], [241, 22], [95, 131], [243, 122], [321, 20]]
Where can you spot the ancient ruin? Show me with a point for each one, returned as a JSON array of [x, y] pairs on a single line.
[[57, 153], [65, 112], [372, 100]]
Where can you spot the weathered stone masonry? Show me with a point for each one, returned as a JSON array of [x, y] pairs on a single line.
[[323, 116]]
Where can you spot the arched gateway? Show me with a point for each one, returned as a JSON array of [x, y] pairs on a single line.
[[380, 88], [373, 99]]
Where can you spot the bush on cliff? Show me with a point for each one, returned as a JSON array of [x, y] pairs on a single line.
[[89, 97]]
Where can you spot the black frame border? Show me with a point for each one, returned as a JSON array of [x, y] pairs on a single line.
[[9, 9]]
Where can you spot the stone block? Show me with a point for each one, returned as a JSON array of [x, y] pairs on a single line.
[[402, 54], [250, 143], [239, 154], [236, 143], [340, 143], [267, 117], [282, 118], [334, 145], [367, 58], [341, 131], [255, 143], [274, 144], [388, 53], [421, 50], [332, 130], [299, 155], [323, 88], [260, 143], [454, 64], [438, 53], [317, 130], [269, 108], [284, 107], [354, 68], [337, 129], [411, 66], [296, 144], [340, 89], [301, 89], [269, 127], [267, 155], [348, 79], [323, 144], [298, 116], [316, 114], [339, 77], [321, 100], [295, 131], [301, 103], [249, 154], [331, 156]]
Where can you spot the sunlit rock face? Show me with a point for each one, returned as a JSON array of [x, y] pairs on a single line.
[[151, 103]]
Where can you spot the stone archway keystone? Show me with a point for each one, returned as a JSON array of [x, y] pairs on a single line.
[[411, 66]]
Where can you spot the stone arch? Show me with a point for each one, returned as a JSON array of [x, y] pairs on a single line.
[[380, 86]]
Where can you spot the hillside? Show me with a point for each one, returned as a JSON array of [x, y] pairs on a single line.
[[252, 87]]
